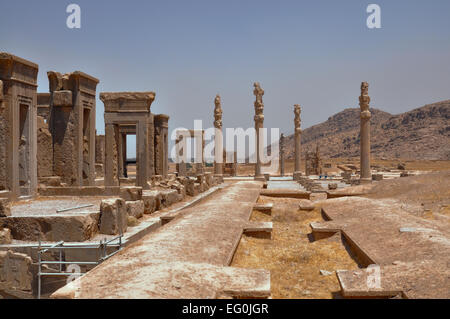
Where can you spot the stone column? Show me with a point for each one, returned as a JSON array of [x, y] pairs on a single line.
[[181, 156], [281, 145], [142, 154], [259, 123], [364, 100], [297, 141], [218, 138], [111, 178], [235, 164], [161, 124]]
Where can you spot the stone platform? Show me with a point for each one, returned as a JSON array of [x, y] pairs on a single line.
[[413, 253], [187, 258]]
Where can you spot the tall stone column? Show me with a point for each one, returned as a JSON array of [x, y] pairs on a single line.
[[218, 137], [364, 100], [111, 165], [181, 155], [259, 123], [281, 145], [297, 141]]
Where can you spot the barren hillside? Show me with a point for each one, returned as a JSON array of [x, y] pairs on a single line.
[[423, 133]]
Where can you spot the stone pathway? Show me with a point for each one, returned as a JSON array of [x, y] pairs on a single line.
[[187, 258]]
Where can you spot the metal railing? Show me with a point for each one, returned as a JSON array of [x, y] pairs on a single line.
[[102, 247]]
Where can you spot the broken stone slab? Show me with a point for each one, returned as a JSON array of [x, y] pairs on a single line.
[[306, 204], [169, 197], [74, 228], [5, 207], [130, 193], [325, 272], [377, 177], [113, 216], [62, 98], [152, 201], [265, 208], [289, 193], [135, 208], [259, 229], [15, 271], [5, 236]]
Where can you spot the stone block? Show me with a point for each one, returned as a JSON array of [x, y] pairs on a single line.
[[5, 207], [76, 228], [113, 216], [130, 193], [190, 187], [53, 181], [62, 98], [5, 236], [169, 197], [306, 204], [135, 208], [198, 188], [332, 186], [16, 271], [377, 177], [209, 178]]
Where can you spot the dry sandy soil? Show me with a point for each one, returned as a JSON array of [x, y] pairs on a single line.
[[294, 261]]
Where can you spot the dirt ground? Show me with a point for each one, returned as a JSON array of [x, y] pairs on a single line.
[[249, 169], [294, 261]]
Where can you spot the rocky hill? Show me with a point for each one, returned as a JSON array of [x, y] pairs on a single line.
[[423, 133]]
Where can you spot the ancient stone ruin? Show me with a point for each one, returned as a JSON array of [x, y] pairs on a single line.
[[192, 230], [313, 162], [129, 113], [18, 111]]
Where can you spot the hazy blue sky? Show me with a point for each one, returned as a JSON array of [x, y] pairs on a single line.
[[314, 53]]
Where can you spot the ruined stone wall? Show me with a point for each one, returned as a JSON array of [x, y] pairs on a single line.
[[18, 99], [151, 148], [64, 131], [100, 149], [44, 149], [15, 274], [72, 125]]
